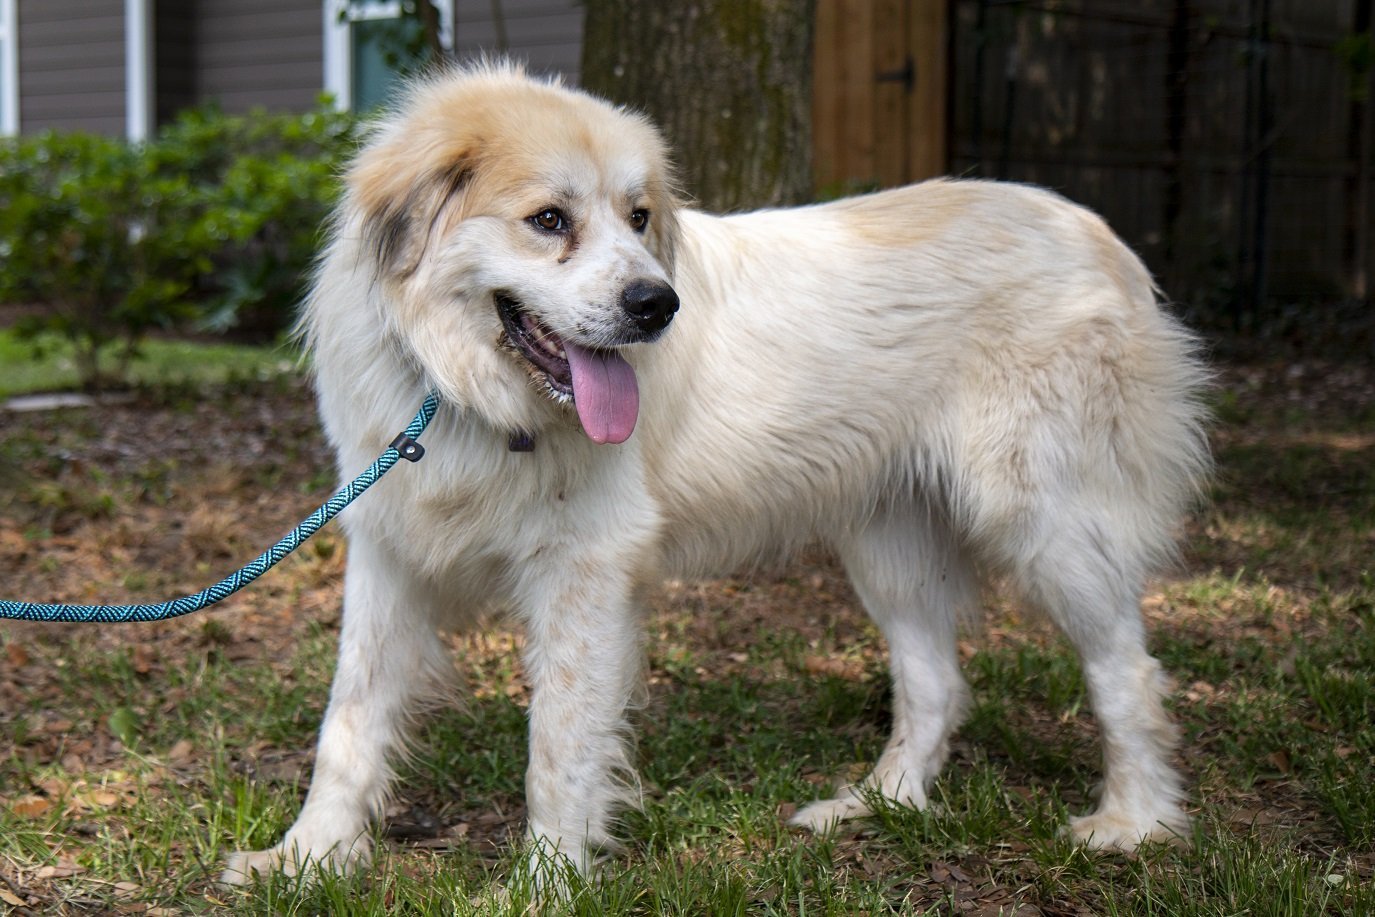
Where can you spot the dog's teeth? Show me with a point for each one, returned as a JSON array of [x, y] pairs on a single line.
[[549, 343], [541, 337]]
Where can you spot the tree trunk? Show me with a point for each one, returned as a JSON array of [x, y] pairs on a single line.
[[729, 83]]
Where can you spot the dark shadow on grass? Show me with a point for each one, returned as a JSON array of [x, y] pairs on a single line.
[[1298, 513]]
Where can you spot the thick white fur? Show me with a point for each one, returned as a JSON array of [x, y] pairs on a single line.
[[943, 382]]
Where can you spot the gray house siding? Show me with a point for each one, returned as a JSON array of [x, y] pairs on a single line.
[[545, 34], [239, 54], [71, 65], [259, 53]]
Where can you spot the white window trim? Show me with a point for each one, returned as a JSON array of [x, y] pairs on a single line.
[[138, 69], [9, 67], [338, 66], [338, 76]]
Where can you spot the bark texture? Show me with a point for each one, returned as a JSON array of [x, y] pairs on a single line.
[[728, 82]]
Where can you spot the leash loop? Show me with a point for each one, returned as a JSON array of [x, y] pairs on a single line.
[[404, 446], [407, 448]]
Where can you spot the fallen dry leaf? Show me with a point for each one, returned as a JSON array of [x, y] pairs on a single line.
[[60, 871], [103, 798], [181, 751], [143, 658], [30, 806]]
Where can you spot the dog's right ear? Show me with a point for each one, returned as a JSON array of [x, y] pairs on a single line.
[[401, 194]]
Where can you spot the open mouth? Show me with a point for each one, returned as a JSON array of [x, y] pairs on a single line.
[[601, 383], [537, 343]]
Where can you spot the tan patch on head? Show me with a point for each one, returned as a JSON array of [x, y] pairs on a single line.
[[491, 141]]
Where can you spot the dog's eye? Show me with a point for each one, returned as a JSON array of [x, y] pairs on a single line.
[[550, 220], [639, 219]]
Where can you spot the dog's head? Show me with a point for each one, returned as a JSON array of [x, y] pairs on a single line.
[[520, 230]]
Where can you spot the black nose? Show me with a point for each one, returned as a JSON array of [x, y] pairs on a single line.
[[650, 303]]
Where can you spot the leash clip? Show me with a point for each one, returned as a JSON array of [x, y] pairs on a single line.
[[409, 449]]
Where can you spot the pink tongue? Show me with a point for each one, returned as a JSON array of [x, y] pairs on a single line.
[[604, 392]]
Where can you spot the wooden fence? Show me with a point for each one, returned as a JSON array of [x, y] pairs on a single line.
[[1229, 141], [880, 96]]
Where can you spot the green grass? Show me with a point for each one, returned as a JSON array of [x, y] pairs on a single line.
[[720, 755], [133, 760], [46, 365]]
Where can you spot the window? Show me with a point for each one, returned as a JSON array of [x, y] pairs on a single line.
[[366, 44]]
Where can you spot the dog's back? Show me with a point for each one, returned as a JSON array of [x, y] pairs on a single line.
[[987, 345]]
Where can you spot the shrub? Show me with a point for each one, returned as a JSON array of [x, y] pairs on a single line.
[[215, 222], [107, 244], [268, 182]]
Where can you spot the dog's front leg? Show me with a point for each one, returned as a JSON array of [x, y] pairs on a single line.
[[389, 660], [582, 658]]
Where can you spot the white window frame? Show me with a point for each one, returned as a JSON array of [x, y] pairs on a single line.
[[338, 77], [9, 67], [139, 106]]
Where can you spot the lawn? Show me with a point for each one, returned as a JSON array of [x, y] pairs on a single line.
[[133, 758], [159, 362]]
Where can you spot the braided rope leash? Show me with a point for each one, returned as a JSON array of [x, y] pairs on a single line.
[[404, 446]]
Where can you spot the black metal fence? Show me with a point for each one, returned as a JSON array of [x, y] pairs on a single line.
[[1229, 141]]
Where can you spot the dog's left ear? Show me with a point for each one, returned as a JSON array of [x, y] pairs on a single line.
[[401, 205], [662, 236]]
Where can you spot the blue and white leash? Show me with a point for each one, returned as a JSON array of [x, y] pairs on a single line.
[[404, 446]]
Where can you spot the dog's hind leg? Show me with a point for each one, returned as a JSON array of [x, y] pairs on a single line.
[[914, 581], [1080, 578], [389, 661]]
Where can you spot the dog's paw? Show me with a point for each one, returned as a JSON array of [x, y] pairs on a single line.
[[825, 814], [243, 867], [1113, 831], [877, 793]]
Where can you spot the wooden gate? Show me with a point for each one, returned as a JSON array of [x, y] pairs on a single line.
[[879, 99]]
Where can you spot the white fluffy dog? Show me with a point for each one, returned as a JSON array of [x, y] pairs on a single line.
[[944, 382]]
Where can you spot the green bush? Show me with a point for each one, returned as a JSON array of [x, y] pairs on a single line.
[[109, 246], [212, 224], [269, 182]]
